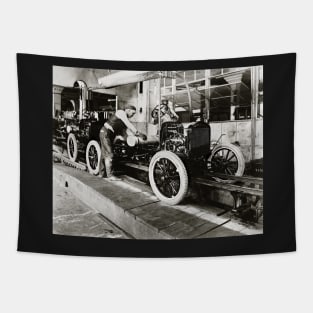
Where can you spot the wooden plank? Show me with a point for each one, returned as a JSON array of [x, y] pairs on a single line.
[[188, 230], [158, 215], [221, 232], [129, 195]]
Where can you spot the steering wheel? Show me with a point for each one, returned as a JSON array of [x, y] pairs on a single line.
[[155, 111]]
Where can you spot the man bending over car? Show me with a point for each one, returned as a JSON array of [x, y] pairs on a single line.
[[115, 126]]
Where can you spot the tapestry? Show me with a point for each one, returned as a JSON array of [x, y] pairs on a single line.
[[156, 159]]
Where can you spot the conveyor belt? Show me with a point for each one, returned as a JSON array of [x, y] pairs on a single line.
[[229, 187], [244, 179], [209, 181], [228, 184], [65, 160]]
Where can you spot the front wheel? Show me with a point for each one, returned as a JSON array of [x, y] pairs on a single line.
[[93, 156], [227, 159], [72, 147], [168, 177]]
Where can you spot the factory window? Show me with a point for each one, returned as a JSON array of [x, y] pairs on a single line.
[[215, 71], [166, 86], [227, 91], [180, 77], [200, 74], [189, 96], [260, 95], [189, 102], [190, 111], [230, 95], [189, 76]]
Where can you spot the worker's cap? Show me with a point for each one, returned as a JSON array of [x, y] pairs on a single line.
[[130, 107]]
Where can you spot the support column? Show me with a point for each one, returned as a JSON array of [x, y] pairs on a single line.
[[233, 101], [158, 97], [82, 96], [207, 93], [254, 103]]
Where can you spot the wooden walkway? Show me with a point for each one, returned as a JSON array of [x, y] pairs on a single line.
[[132, 206]]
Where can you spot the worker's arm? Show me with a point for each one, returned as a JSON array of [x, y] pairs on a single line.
[[171, 108], [122, 115]]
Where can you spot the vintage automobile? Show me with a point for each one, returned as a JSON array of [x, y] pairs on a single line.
[[77, 128], [179, 152], [182, 151], [81, 138]]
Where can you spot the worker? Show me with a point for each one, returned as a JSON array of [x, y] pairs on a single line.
[[171, 112], [116, 125], [167, 113]]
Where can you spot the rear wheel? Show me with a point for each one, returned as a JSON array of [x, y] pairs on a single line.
[[93, 155], [168, 177], [72, 147], [227, 159]]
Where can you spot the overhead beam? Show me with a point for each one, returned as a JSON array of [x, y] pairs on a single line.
[[129, 77]]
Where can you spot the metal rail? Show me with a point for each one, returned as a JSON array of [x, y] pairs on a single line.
[[243, 179], [67, 161], [230, 187], [228, 184]]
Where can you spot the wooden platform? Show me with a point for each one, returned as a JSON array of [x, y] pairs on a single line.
[[132, 206]]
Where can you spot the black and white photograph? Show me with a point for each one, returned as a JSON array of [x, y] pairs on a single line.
[[154, 154], [157, 154]]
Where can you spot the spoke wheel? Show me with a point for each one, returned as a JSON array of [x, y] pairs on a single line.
[[227, 159], [72, 147], [93, 155], [168, 177]]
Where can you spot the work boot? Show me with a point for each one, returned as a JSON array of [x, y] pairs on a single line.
[[113, 178]]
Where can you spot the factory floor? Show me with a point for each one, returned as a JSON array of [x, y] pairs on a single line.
[[129, 209], [73, 217]]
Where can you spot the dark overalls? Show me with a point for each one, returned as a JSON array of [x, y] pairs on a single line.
[[112, 128]]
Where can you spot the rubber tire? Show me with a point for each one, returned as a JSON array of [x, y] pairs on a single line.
[[239, 155], [182, 175], [73, 157], [98, 149]]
